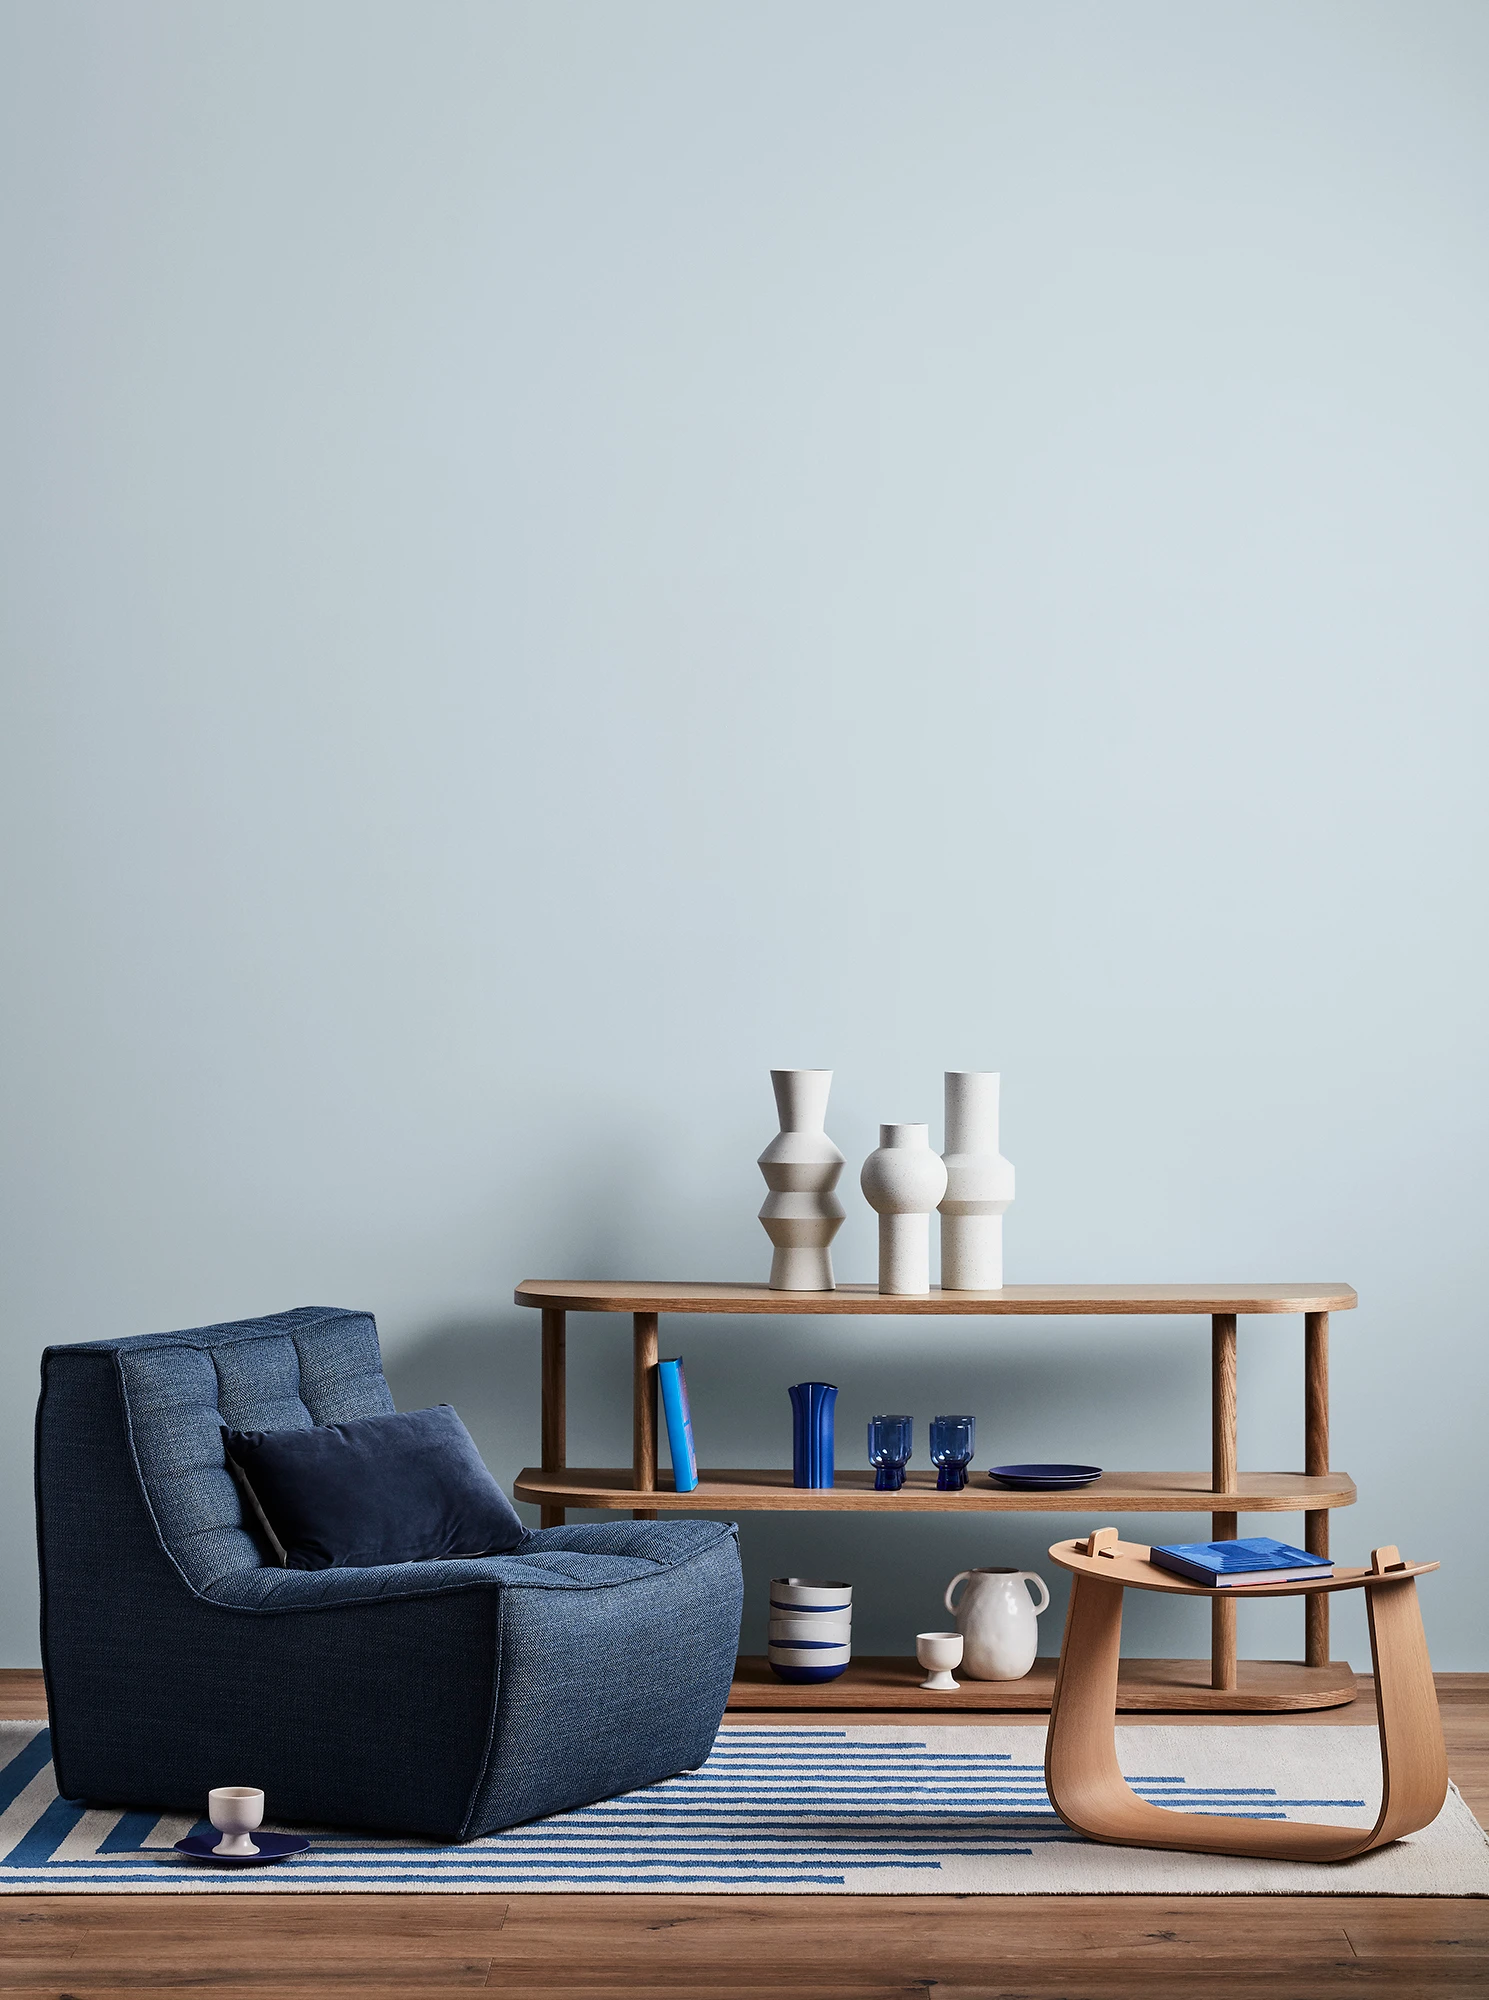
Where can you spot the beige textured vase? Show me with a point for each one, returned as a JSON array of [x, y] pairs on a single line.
[[801, 1214]]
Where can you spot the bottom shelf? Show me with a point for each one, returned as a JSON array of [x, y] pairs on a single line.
[[1165, 1685]]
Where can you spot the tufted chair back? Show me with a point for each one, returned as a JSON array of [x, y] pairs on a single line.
[[175, 1392]]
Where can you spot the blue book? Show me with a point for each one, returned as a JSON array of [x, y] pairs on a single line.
[[1223, 1564], [674, 1387]]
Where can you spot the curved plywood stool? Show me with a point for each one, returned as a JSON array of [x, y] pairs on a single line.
[[1086, 1786]]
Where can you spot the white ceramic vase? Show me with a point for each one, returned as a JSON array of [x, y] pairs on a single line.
[[979, 1185], [801, 1214], [903, 1181], [998, 1624]]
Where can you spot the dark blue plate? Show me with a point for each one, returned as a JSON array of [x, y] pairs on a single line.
[[1043, 1478], [271, 1847]]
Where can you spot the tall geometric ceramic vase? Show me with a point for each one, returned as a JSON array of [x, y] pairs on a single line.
[[801, 1214], [979, 1185], [904, 1180]]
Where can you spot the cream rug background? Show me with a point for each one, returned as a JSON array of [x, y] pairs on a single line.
[[953, 1809]]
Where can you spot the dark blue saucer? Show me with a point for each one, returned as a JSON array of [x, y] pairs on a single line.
[[271, 1847], [1043, 1478]]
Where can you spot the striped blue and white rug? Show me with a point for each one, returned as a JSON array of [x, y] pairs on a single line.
[[949, 1809]]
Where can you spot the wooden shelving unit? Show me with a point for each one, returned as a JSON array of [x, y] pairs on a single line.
[[1224, 1684]]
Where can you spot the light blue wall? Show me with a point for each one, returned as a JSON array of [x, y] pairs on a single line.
[[559, 555]]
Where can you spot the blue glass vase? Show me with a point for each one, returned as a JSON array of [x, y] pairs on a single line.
[[890, 1440], [811, 1433]]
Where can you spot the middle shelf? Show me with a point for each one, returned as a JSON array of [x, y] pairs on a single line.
[[765, 1488]]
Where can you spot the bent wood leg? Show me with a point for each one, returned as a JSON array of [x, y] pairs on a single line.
[[555, 1406], [1316, 1460], [1223, 1473], [644, 1411], [1412, 1752], [1088, 1791]]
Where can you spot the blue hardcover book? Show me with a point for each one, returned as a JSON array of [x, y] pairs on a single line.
[[1222, 1564], [674, 1387]]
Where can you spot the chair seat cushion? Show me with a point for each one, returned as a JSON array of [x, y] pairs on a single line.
[[402, 1488]]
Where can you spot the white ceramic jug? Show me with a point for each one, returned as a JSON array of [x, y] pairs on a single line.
[[997, 1621]]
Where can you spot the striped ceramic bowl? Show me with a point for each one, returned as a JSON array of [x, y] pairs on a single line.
[[811, 1626]]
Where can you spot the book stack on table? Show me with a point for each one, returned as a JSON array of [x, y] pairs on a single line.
[[1231, 1565]]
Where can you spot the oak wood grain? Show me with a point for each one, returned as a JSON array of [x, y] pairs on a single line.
[[754, 1488], [644, 1410], [1224, 1524], [1084, 1778], [555, 1404], [1128, 1563], [1316, 1459], [1262, 1687], [803, 1948], [667, 1296]]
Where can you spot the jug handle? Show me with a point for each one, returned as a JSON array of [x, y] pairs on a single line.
[[1028, 1576], [961, 1577]]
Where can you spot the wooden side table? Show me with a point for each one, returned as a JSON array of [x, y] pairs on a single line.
[[1085, 1782], [1220, 1490]]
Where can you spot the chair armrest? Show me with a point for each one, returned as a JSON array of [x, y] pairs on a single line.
[[589, 1556], [665, 1543], [274, 1589]]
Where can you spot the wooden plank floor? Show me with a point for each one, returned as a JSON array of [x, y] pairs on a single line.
[[784, 1947]]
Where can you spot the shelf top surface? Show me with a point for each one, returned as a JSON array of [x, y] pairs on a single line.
[[770, 1488], [1130, 1564], [658, 1296]]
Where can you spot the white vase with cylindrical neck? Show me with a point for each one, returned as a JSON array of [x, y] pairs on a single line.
[[903, 1181], [801, 1214], [979, 1185]]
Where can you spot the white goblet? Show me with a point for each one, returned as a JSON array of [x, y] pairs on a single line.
[[938, 1653], [235, 1810]]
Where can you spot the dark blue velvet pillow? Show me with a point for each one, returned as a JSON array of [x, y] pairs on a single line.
[[404, 1488]]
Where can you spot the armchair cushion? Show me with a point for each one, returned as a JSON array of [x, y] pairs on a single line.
[[586, 1557], [400, 1488]]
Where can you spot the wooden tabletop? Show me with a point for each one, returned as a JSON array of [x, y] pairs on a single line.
[[658, 1296], [1129, 1563]]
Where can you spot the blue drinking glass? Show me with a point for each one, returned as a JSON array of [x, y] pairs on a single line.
[[889, 1451], [953, 1441]]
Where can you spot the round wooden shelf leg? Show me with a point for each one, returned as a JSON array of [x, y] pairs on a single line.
[[1316, 1460], [555, 1406], [644, 1411], [1223, 1475]]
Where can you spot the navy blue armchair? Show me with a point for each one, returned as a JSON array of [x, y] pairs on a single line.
[[446, 1698]]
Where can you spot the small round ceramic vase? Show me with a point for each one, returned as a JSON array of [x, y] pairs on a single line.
[[903, 1181], [801, 1214], [997, 1621]]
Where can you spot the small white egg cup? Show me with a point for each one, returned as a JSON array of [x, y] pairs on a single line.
[[236, 1811], [939, 1652]]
